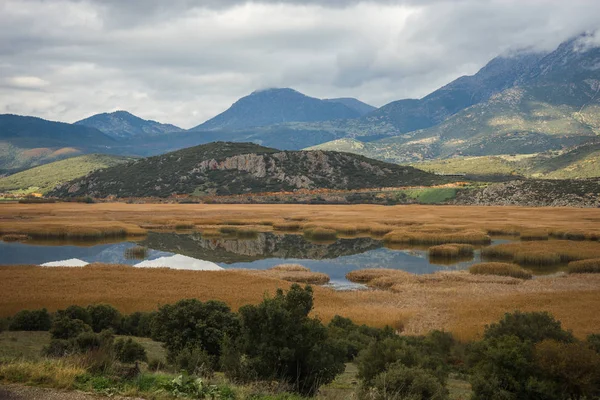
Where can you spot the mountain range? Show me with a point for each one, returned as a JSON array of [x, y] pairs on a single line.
[[522, 103]]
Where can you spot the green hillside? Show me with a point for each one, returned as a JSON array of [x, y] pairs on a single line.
[[44, 178]]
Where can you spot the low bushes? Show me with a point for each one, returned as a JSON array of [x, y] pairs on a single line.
[[500, 269], [34, 320], [585, 266]]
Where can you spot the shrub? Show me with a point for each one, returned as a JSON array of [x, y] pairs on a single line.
[[585, 266], [594, 341], [104, 316], [500, 269], [532, 326], [66, 328], [87, 341], [31, 320], [194, 324], [354, 338], [280, 341], [137, 324], [573, 367], [156, 365], [195, 361], [76, 312], [400, 382], [58, 348], [128, 351]]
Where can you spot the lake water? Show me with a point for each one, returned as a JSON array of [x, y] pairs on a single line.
[[192, 251]]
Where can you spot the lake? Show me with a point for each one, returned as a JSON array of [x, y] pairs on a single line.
[[192, 251]]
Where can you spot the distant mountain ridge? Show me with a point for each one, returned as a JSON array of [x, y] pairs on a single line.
[[223, 168], [122, 124], [276, 106], [361, 107]]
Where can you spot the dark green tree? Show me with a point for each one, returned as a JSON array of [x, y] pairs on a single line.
[[194, 324], [75, 312], [129, 351], [66, 328], [532, 326], [280, 341], [31, 320], [104, 316]]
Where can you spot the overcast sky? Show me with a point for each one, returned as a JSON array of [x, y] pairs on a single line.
[[184, 61]]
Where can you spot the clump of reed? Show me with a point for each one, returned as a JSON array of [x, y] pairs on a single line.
[[289, 267], [247, 233], [344, 229], [228, 230], [15, 237], [368, 275], [210, 233], [575, 234], [136, 253], [182, 225], [451, 250], [440, 237], [73, 231], [380, 230], [504, 231], [320, 234], [543, 252], [534, 234], [500, 269], [585, 266], [537, 258], [288, 226]]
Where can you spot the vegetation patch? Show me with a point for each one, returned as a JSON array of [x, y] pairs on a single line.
[[534, 235], [543, 252], [15, 237], [412, 237], [320, 234], [136, 253], [500, 269], [585, 267], [451, 250]]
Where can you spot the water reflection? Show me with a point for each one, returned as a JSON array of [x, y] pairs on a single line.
[[192, 251]]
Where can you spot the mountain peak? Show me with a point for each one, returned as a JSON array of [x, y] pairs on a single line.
[[123, 124]]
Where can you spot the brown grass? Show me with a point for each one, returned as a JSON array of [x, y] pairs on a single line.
[[451, 250], [15, 237], [136, 253], [543, 252], [320, 233], [585, 267], [288, 226], [289, 268], [500, 269], [411, 237], [534, 234], [55, 373]]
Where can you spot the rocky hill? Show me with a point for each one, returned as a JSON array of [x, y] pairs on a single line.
[[122, 124], [223, 168]]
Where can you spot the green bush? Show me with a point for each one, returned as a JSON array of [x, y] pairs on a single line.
[[129, 351], [31, 320], [104, 317], [533, 326], [594, 341], [137, 324], [399, 382], [185, 385], [156, 365], [280, 342], [66, 328], [58, 348], [354, 338], [75, 312], [195, 361], [194, 324]]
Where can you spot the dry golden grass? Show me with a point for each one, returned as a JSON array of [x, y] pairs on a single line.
[[136, 253], [543, 252], [288, 226], [585, 266], [55, 373], [451, 250], [500, 269], [574, 234], [412, 237], [15, 237], [534, 234], [320, 233], [290, 267]]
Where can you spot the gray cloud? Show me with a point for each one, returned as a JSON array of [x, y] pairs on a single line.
[[184, 61]]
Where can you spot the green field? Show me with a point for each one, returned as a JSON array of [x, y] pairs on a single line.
[[44, 178]]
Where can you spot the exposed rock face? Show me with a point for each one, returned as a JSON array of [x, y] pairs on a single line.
[[536, 193]]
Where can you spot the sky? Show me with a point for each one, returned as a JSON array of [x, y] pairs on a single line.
[[185, 61]]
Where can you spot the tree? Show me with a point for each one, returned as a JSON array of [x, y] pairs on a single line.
[[194, 324], [104, 316], [280, 341], [533, 326], [574, 367], [76, 312], [34, 320], [66, 328], [128, 351]]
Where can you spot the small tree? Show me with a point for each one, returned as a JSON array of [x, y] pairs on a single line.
[[35, 320], [400, 382], [533, 326], [574, 367], [75, 312], [280, 341], [128, 351], [104, 316], [66, 328], [194, 324]]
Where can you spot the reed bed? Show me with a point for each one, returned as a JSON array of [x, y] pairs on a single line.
[[452, 250], [543, 252], [585, 266], [136, 253], [412, 237], [72, 231], [15, 237], [534, 234], [290, 268], [288, 226], [208, 233], [320, 234], [500, 269], [575, 234]]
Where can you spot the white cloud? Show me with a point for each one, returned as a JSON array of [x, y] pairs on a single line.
[[184, 61]]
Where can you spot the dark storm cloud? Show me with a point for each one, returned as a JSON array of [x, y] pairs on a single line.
[[184, 61]]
